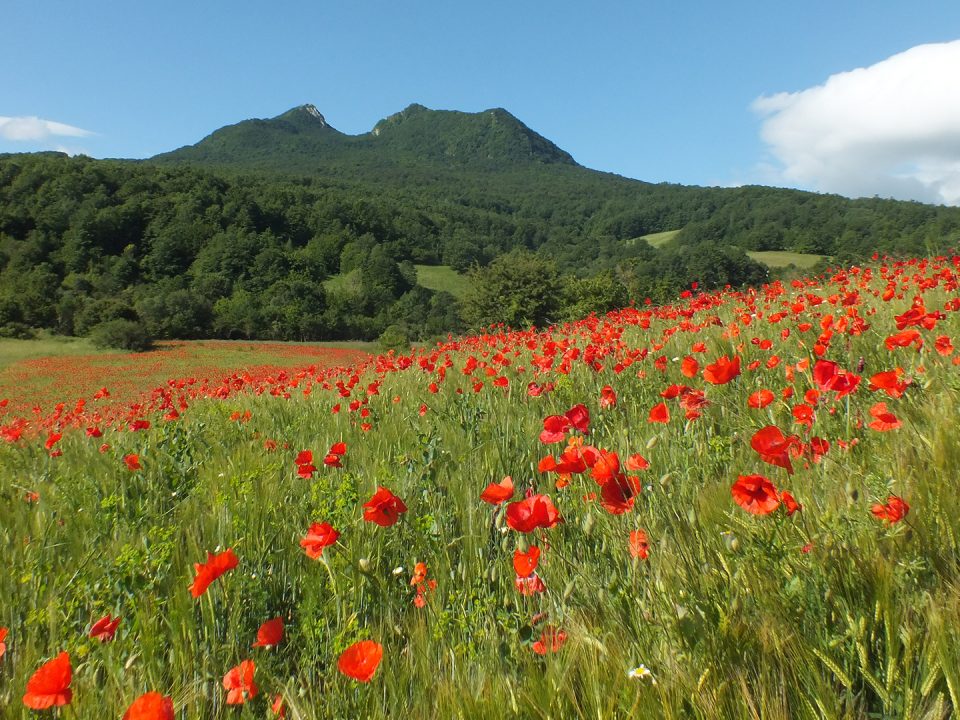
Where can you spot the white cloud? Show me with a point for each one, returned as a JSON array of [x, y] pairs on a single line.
[[891, 129], [34, 128]]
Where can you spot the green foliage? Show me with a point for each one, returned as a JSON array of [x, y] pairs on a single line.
[[518, 289], [121, 335]]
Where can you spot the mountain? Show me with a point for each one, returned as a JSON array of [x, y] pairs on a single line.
[[301, 140]]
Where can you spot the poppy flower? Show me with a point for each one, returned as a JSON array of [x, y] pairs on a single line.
[[529, 586], [360, 660], [537, 511], [52, 439], [49, 686], [3, 638], [790, 503], [419, 573], [239, 684], [150, 706], [637, 462], [689, 366], [384, 508], [755, 494], [639, 544], [278, 708], [214, 567], [133, 461], [270, 633], [555, 427], [104, 629], [884, 420], [893, 511], [722, 371], [551, 640], [760, 399], [774, 447], [319, 536], [526, 562], [889, 381], [659, 414], [496, 493], [616, 495], [608, 398]]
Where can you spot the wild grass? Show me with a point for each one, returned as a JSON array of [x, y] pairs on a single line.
[[729, 613], [442, 278], [783, 258]]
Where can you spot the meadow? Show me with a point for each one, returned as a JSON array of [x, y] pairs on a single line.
[[741, 505]]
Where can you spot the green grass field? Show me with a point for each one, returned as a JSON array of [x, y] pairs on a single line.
[[782, 258], [732, 603], [442, 278], [658, 239]]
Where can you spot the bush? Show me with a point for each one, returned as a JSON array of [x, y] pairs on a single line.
[[121, 334], [395, 337]]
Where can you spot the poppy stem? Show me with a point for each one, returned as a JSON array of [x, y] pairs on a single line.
[[333, 581]]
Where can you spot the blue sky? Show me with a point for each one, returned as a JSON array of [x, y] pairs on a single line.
[[661, 91]]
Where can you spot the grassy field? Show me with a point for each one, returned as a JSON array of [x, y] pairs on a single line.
[[51, 370], [676, 578], [658, 239], [442, 278], [782, 258]]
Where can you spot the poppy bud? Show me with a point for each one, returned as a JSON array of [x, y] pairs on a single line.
[[861, 363], [588, 524], [493, 574], [568, 590], [652, 442], [666, 479], [364, 564]]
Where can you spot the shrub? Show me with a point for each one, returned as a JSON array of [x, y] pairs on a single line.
[[121, 334]]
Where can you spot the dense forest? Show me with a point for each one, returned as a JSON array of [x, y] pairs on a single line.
[[288, 229]]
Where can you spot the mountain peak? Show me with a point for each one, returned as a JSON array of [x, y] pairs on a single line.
[[305, 112]]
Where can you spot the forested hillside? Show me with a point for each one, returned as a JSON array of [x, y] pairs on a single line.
[[289, 229]]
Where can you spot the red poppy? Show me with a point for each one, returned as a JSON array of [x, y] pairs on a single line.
[[639, 544], [551, 640], [384, 508], [755, 494], [689, 366], [760, 399], [270, 633], [360, 660], [790, 503], [659, 414], [52, 439], [889, 381], [904, 339], [214, 567], [722, 371], [3, 637], [774, 447], [537, 511], [132, 461], [526, 562], [150, 706], [637, 462], [239, 684], [319, 536], [529, 586], [895, 509], [884, 420], [608, 398], [104, 629], [555, 427], [616, 494], [278, 708], [496, 493], [49, 686], [419, 573]]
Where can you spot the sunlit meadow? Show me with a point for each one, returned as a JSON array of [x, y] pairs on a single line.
[[741, 505]]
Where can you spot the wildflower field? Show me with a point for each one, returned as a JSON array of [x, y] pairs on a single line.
[[742, 505]]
